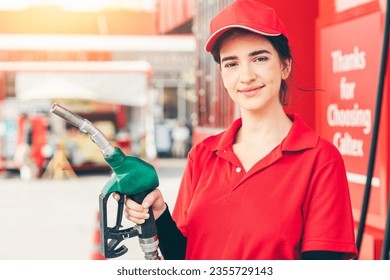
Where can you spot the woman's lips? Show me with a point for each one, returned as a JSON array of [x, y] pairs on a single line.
[[250, 91]]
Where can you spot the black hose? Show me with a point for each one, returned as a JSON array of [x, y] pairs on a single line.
[[386, 239], [371, 161]]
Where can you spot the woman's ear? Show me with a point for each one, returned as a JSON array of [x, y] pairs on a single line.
[[286, 68]]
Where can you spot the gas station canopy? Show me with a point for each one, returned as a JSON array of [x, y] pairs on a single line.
[[124, 83]]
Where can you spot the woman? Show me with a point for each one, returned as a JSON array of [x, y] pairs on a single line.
[[268, 187]]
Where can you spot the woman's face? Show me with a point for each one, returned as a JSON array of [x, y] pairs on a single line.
[[252, 71]]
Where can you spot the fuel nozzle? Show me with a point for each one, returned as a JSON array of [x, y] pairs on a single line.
[[85, 126], [132, 177]]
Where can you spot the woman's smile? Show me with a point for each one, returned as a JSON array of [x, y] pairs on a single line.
[[250, 91]]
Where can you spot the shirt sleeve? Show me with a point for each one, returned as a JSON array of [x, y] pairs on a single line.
[[328, 220], [184, 197], [172, 243]]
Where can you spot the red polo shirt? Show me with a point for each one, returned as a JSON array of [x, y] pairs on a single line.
[[293, 200]]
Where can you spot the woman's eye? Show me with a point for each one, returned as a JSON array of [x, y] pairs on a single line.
[[230, 65], [261, 58]]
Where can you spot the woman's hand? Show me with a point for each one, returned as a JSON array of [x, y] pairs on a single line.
[[138, 213]]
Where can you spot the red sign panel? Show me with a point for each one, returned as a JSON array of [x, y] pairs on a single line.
[[349, 59]]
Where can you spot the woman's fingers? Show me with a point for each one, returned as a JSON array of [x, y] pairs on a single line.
[[135, 212], [138, 213], [116, 196]]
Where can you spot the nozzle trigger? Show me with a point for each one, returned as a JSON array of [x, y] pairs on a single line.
[[111, 237]]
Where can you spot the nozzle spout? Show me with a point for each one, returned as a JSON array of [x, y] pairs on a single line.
[[85, 126]]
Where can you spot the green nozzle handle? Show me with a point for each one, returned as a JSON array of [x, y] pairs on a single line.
[[134, 178], [132, 174]]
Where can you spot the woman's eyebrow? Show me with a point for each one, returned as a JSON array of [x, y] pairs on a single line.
[[254, 53], [226, 58]]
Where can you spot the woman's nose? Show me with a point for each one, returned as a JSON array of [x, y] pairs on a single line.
[[247, 74]]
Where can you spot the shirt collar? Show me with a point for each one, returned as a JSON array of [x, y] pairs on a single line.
[[300, 137]]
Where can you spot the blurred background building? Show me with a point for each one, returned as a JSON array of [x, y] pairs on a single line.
[[127, 65], [137, 68]]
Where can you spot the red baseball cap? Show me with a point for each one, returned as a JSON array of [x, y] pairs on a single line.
[[247, 14]]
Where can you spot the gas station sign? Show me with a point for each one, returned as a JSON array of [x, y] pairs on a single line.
[[349, 59]]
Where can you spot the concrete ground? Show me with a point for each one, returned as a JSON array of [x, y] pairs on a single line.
[[47, 219]]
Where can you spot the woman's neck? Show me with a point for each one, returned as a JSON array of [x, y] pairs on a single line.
[[259, 135], [268, 127]]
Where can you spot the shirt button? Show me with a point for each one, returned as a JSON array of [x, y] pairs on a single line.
[[238, 169]]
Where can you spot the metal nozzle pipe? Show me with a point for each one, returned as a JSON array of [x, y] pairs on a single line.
[[67, 115], [85, 126]]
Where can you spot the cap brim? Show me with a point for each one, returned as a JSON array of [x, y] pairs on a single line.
[[264, 31]]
